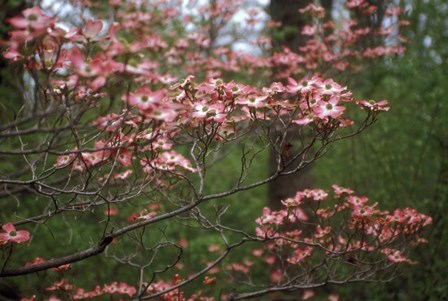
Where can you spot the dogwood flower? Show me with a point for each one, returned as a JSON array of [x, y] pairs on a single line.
[[92, 29], [329, 109], [145, 99], [373, 105], [64, 160], [123, 175], [12, 235], [304, 87], [124, 157], [254, 101], [299, 255], [32, 19], [338, 190], [396, 257]]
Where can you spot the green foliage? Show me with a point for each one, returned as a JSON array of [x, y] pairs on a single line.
[[402, 161]]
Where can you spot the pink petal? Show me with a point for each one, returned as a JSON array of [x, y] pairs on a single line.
[[93, 28], [22, 236], [8, 227]]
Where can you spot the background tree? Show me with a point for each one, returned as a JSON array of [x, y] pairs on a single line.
[[288, 34], [411, 161]]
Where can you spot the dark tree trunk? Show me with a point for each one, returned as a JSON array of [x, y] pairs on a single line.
[[373, 22], [286, 12], [8, 9]]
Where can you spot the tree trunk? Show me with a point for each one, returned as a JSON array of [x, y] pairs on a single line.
[[286, 12], [8, 9]]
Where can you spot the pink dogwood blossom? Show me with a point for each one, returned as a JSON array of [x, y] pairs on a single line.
[[13, 235]]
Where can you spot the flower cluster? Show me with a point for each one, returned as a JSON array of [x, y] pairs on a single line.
[[65, 288], [83, 60], [367, 233], [214, 107]]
